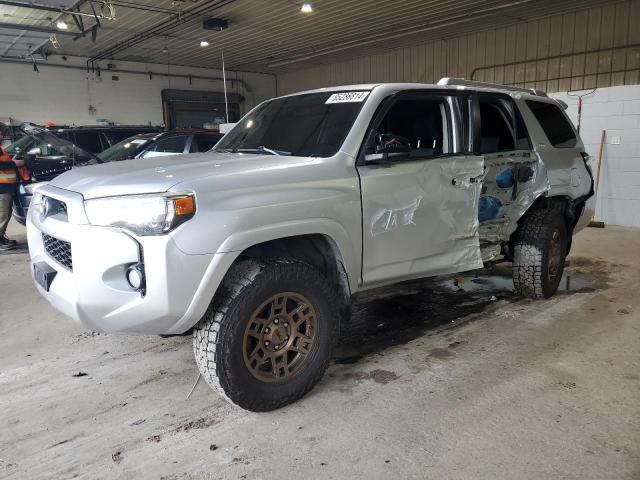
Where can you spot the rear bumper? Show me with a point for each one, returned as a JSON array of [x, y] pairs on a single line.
[[95, 292], [587, 214]]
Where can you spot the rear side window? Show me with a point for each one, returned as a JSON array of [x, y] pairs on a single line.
[[89, 141], [206, 142], [174, 144], [501, 126], [554, 123]]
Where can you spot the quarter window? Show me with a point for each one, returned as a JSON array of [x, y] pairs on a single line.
[[554, 123]]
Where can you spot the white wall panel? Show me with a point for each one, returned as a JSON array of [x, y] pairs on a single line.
[[616, 110], [64, 95]]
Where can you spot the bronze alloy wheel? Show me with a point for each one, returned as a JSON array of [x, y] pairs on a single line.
[[555, 254], [279, 337]]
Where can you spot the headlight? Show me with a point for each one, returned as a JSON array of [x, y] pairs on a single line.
[[153, 214], [32, 187]]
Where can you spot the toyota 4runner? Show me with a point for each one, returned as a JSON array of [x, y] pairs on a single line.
[[260, 243]]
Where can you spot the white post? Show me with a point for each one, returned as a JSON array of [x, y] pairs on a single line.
[[224, 80]]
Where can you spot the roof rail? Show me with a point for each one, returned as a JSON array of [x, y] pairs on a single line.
[[461, 82]]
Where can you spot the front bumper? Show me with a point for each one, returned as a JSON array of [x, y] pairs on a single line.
[[21, 203], [179, 286]]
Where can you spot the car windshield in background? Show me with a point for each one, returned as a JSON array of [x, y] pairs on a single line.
[[124, 149], [308, 125], [49, 145], [22, 145]]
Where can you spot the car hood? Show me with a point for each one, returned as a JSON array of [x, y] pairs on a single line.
[[159, 174]]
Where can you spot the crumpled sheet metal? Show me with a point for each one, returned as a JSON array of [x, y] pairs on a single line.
[[431, 223], [505, 220], [386, 220]]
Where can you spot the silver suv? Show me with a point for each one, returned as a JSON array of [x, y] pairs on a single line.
[[260, 243]]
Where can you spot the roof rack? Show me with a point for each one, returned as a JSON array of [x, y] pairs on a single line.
[[461, 82]]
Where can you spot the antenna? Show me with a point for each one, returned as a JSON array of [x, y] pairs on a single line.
[[224, 80]]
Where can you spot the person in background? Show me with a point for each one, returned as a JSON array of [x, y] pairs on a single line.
[[8, 185]]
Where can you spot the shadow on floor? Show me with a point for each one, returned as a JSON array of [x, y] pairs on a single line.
[[395, 315]]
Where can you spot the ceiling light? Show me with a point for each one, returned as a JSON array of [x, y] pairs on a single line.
[[62, 25], [306, 8], [204, 43], [165, 50]]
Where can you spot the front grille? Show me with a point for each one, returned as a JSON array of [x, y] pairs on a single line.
[[59, 250]]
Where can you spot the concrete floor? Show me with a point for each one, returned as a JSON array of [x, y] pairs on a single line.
[[431, 381]]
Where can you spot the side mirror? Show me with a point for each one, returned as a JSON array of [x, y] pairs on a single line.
[[32, 154], [390, 147]]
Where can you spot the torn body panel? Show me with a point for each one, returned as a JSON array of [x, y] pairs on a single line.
[[420, 218], [513, 181]]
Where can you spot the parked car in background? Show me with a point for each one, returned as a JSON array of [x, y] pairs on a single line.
[[161, 144], [50, 152], [46, 156], [96, 139], [9, 133]]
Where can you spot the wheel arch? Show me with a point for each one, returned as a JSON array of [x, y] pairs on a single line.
[[332, 253], [323, 234], [317, 249], [571, 209]]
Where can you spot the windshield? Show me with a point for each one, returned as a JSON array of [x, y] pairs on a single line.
[[19, 146], [123, 150], [308, 125], [50, 145]]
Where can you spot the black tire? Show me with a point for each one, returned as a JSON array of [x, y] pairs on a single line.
[[220, 339], [539, 252]]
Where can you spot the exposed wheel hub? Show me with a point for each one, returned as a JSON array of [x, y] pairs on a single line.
[[279, 337], [277, 333]]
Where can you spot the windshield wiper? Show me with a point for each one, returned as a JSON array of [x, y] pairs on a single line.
[[260, 149]]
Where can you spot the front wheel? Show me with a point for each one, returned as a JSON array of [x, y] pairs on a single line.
[[539, 253], [267, 337]]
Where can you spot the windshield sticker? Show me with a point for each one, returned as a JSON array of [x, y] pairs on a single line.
[[347, 97]]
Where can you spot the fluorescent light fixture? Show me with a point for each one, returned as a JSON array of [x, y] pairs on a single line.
[[62, 25], [306, 8], [204, 43]]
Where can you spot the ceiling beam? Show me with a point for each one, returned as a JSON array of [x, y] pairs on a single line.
[[32, 6], [160, 28], [33, 28]]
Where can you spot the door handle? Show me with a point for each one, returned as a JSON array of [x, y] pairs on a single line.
[[471, 180]]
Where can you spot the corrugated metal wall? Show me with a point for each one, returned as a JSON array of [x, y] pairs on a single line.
[[596, 47]]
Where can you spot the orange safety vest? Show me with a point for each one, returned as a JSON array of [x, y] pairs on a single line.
[[8, 170]]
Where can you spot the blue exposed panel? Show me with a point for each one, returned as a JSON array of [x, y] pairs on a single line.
[[505, 178], [489, 208]]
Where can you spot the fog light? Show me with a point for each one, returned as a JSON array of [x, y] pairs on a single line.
[[135, 276]]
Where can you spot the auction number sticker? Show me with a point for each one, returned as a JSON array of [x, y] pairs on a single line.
[[347, 97]]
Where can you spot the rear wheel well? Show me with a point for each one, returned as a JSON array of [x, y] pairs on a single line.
[[318, 250], [570, 210]]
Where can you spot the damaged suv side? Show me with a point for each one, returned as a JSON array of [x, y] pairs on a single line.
[[260, 243]]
